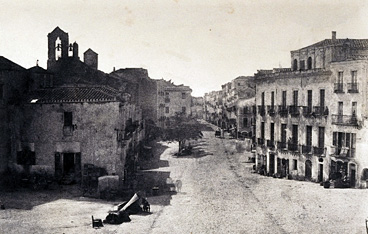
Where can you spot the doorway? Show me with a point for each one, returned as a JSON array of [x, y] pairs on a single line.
[[320, 173], [308, 170], [68, 163], [352, 176], [272, 164]]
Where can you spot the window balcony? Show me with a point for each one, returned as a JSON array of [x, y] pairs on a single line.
[[353, 88], [318, 150], [294, 111], [307, 111], [281, 145], [348, 120], [283, 111], [306, 149], [346, 152], [271, 110], [271, 144], [293, 147], [262, 110], [260, 141], [319, 111], [338, 87]]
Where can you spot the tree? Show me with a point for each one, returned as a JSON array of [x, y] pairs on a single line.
[[182, 128]]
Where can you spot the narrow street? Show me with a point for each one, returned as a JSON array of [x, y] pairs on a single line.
[[220, 194]]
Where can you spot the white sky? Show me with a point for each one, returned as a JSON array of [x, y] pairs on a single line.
[[203, 43]]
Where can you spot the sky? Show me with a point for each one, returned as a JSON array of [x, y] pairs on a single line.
[[203, 44]]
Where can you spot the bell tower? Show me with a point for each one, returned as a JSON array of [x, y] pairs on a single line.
[[58, 41]]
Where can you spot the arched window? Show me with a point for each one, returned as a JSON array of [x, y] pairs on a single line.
[[309, 63], [295, 65]]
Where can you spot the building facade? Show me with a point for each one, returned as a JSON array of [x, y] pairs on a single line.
[[172, 99], [311, 117]]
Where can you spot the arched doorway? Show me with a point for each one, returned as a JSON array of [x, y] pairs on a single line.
[[308, 170]]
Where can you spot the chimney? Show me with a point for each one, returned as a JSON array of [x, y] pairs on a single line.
[[333, 35]]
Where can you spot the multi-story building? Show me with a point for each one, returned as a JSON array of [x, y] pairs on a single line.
[[311, 117], [242, 87], [212, 107], [246, 118], [172, 99], [197, 107], [63, 128]]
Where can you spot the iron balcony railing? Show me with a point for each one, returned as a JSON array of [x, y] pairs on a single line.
[[271, 110], [318, 150], [283, 111], [294, 111], [338, 87], [306, 149], [320, 111], [293, 147], [281, 145], [343, 152], [262, 110], [307, 111], [353, 88], [345, 120], [270, 144]]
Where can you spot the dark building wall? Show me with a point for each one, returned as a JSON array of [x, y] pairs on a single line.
[[13, 85]]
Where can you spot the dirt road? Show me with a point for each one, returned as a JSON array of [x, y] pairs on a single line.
[[219, 195]]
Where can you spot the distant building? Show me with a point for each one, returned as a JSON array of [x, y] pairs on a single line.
[[311, 117], [197, 107], [172, 99]]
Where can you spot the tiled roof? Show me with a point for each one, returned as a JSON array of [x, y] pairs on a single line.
[[74, 94], [6, 64], [356, 43]]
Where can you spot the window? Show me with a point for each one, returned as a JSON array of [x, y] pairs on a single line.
[[183, 95], [295, 97], [167, 110], [284, 98], [340, 77], [263, 99], [68, 119], [262, 130], [167, 93], [302, 65], [308, 140], [354, 109], [295, 164], [295, 65], [322, 98], [245, 122], [272, 132], [354, 77], [183, 109], [309, 63], [294, 138], [310, 100], [321, 137], [283, 133], [272, 99]]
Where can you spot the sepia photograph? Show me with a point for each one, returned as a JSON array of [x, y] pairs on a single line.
[[184, 116]]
